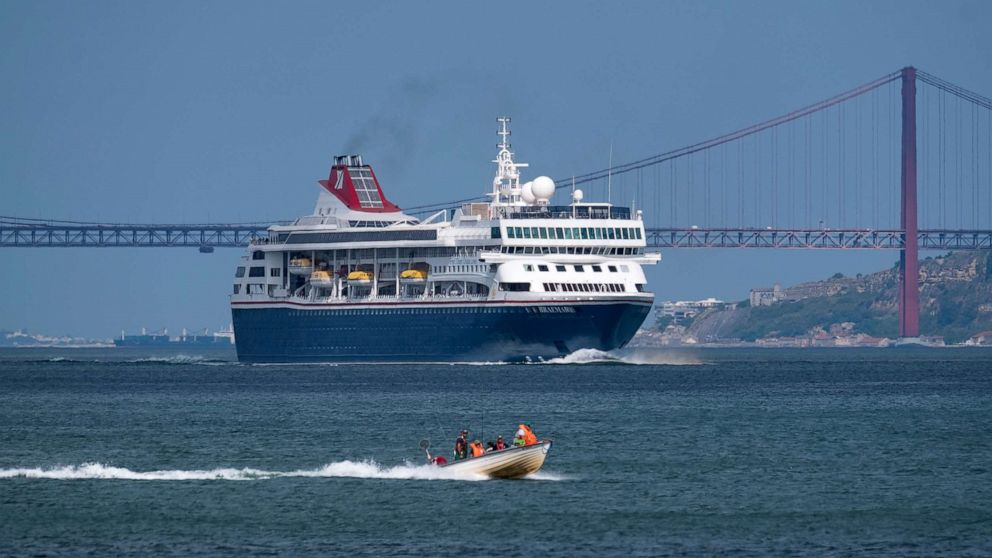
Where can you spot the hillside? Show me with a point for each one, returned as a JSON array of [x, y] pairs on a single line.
[[955, 302]]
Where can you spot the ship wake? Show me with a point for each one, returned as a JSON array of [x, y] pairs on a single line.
[[340, 469], [596, 356]]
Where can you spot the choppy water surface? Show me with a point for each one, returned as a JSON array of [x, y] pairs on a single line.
[[832, 452]]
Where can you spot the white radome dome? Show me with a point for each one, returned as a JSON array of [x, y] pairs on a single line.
[[527, 192], [543, 188], [577, 196]]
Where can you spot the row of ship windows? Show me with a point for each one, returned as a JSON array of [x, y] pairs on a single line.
[[578, 268], [575, 233], [371, 253], [255, 288], [410, 311], [593, 250], [584, 288], [258, 271]]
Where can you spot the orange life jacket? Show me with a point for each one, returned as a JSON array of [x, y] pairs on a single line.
[[477, 449], [529, 437]]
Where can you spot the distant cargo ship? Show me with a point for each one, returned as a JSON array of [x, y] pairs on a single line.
[[222, 338], [511, 279]]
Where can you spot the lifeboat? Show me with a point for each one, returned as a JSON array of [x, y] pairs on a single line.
[[321, 279], [359, 277], [413, 276], [300, 266]]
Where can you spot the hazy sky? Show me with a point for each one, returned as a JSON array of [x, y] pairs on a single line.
[[230, 111]]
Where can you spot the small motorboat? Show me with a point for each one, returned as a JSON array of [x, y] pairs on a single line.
[[510, 463]]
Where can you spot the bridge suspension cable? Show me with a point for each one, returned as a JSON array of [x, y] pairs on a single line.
[[743, 132], [957, 90]]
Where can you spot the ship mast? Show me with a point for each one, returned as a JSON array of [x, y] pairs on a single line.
[[506, 184]]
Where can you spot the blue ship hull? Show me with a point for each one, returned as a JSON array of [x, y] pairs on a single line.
[[432, 332]]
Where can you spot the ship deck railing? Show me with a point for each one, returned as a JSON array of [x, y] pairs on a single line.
[[387, 298], [566, 212]]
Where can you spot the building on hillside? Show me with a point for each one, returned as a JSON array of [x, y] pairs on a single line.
[[764, 296]]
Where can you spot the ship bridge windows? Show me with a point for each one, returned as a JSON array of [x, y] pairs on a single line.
[[258, 271], [258, 255], [240, 272], [571, 233], [365, 188]]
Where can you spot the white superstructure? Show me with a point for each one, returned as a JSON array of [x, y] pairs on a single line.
[[358, 250]]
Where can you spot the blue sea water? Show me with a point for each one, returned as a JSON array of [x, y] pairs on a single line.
[[737, 452]]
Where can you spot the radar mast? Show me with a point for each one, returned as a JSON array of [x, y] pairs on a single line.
[[506, 184]]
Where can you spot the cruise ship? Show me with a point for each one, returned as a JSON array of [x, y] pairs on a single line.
[[513, 278]]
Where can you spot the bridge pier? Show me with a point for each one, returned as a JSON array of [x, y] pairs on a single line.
[[909, 263]]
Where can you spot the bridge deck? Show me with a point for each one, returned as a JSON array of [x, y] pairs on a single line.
[[39, 235]]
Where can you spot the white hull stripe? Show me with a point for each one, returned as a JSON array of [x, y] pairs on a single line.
[[464, 303]]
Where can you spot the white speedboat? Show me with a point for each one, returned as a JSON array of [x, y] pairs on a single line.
[[510, 463]]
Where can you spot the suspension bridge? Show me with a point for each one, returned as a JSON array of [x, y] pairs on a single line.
[[903, 162]]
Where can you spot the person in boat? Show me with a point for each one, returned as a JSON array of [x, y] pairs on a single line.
[[518, 438], [500, 444], [529, 437], [490, 446], [477, 449], [439, 461], [461, 446], [525, 436]]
